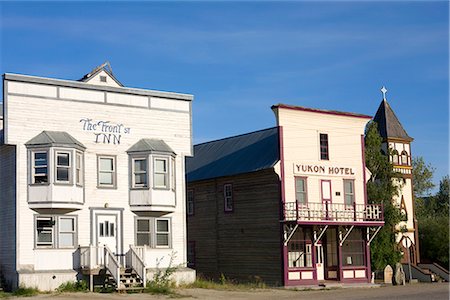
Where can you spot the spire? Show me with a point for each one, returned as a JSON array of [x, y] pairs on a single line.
[[388, 124]]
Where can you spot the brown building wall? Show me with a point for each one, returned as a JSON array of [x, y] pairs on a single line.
[[244, 244]]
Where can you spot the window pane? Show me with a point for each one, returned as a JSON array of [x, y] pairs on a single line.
[[62, 174], [140, 165], [140, 179], [66, 239], [160, 180], [106, 178], [300, 184], [44, 237], [40, 159], [142, 239], [40, 179], [44, 223], [349, 187], [63, 159], [160, 165], [40, 170], [66, 224], [162, 239], [162, 225], [106, 164], [143, 225]]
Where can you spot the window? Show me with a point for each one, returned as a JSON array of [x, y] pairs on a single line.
[[190, 202], [63, 169], [395, 160], [349, 192], [153, 232], [228, 197], [353, 249], [324, 146], [405, 158], [300, 249], [40, 167], [160, 173], [106, 171], [162, 232], [143, 233], [79, 168], [139, 172], [300, 190], [102, 78], [55, 231], [172, 173]]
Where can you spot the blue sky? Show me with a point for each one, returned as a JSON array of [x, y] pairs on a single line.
[[239, 58]]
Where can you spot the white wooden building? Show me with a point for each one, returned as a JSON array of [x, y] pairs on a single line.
[[92, 179]]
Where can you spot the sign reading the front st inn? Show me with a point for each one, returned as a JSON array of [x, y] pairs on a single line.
[[105, 132]]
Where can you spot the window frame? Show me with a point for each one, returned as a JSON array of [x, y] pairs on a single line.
[[113, 172], [56, 231], [347, 205], [395, 157], [168, 232], [69, 167], [134, 173], [165, 173], [153, 232], [148, 233], [79, 168], [324, 149], [404, 158], [190, 202], [228, 201], [305, 192], [33, 173]]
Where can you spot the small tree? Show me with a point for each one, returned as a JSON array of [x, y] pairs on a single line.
[[381, 188]]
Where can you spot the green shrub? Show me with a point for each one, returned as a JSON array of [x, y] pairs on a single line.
[[73, 286], [25, 292]]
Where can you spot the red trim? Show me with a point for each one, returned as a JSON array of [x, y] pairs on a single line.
[[322, 111]]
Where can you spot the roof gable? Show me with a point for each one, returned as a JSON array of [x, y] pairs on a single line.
[[150, 145], [388, 124], [55, 139], [235, 155], [102, 75]]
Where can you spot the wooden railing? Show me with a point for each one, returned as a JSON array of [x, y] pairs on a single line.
[[135, 260], [333, 212], [91, 257], [112, 265]]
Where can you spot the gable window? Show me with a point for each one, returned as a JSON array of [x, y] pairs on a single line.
[[40, 167], [153, 232], [107, 171], [63, 167], [160, 173], [349, 192], [228, 197], [55, 231], [79, 169], [139, 172], [324, 155], [190, 202], [300, 190]]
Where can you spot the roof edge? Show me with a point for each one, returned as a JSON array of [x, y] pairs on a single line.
[[235, 136], [322, 111]]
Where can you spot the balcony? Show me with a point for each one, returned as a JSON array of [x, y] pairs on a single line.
[[334, 213]]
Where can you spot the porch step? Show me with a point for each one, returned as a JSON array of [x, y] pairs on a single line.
[[129, 281]]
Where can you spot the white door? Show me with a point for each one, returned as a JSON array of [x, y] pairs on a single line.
[[319, 262], [107, 231]]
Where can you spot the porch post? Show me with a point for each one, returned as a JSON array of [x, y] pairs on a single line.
[[340, 261], [368, 267]]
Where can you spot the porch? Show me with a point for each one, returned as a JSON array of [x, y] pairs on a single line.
[[334, 213]]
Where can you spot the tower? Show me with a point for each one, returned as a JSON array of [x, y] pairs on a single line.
[[397, 145]]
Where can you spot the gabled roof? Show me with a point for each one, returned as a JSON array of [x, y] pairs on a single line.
[[150, 145], [388, 124], [234, 155], [106, 67], [55, 139]]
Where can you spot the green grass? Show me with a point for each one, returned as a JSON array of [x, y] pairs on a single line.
[[4, 295], [73, 286], [25, 292], [226, 284]]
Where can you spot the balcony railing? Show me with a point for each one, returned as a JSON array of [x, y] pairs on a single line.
[[333, 212]]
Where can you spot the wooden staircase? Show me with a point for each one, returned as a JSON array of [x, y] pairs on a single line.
[[129, 281]]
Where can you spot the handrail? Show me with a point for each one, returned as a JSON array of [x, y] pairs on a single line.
[[91, 256], [137, 264], [112, 265]]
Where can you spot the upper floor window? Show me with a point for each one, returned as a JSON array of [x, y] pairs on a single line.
[[63, 167], [107, 171], [349, 192], [190, 202], [79, 168], [228, 197], [324, 154], [404, 156], [160, 169], [300, 190], [395, 158], [39, 167], [139, 172]]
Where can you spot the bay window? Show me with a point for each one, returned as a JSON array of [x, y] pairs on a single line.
[[39, 167]]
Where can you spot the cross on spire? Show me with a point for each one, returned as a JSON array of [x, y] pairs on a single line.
[[384, 90]]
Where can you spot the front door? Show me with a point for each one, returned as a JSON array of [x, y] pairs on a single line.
[[325, 186], [319, 262], [107, 231]]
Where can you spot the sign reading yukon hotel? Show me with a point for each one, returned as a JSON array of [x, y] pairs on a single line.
[[104, 131], [327, 170]]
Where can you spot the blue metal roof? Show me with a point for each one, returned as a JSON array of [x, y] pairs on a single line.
[[234, 155]]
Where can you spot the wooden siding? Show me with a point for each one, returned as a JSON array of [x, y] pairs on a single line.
[[8, 213], [244, 244]]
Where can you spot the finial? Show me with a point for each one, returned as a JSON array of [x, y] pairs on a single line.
[[384, 90]]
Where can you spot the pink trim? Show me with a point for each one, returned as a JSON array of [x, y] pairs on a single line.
[[363, 153], [282, 210], [368, 267], [316, 110], [331, 222]]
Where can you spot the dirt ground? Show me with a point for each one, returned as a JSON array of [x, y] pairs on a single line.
[[411, 292]]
